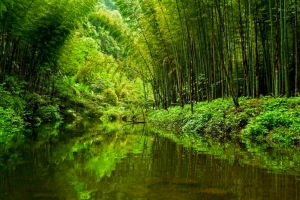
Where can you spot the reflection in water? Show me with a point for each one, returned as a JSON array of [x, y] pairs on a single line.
[[91, 161]]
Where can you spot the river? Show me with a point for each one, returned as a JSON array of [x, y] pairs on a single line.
[[89, 160]]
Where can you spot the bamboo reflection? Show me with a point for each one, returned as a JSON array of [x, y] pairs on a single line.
[[135, 165]]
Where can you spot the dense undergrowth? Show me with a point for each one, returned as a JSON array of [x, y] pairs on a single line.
[[274, 121], [21, 110]]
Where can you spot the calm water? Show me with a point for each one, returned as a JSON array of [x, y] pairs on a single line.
[[91, 161]]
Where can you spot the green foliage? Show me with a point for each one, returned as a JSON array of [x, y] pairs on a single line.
[[11, 125], [110, 115], [65, 88], [197, 123], [75, 52], [159, 50], [76, 99], [10, 93], [209, 119], [48, 113], [284, 137], [277, 123], [171, 119], [122, 112], [110, 97], [57, 61], [92, 56], [272, 120], [12, 112], [255, 131], [37, 30], [96, 112], [237, 120], [45, 131], [217, 127], [40, 109]]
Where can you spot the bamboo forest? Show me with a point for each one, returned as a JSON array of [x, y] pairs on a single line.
[[149, 99]]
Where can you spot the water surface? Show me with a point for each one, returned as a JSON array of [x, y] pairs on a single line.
[[93, 161]]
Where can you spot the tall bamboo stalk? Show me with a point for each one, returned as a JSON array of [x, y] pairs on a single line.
[[296, 46]]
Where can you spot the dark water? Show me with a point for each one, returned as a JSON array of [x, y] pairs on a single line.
[[91, 161]]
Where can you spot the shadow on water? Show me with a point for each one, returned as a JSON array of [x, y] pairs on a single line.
[[90, 160]]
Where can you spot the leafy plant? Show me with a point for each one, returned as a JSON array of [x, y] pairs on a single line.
[[276, 121], [11, 125], [110, 96], [48, 113]]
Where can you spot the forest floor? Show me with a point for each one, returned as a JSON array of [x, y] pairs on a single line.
[[267, 120]]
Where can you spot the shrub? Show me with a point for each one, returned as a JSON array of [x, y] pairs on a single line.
[[273, 120], [173, 119], [268, 121], [237, 120], [110, 96], [255, 131], [275, 104], [11, 125], [282, 137], [8, 100], [93, 113], [48, 113], [111, 115], [197, 123]]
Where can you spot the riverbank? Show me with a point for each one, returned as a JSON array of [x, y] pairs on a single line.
[[272, 121], [66, 101]]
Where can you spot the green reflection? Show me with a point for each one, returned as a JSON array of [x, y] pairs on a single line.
[[91, 160], [279, 160], [78, 155]]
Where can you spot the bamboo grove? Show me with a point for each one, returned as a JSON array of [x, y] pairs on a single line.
[[200, 50], [31, 35]]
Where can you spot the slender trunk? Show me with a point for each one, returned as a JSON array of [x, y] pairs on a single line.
[[296, 47], [183, 47], [277, 53], [177, 65], [228, 72], [284, 51], [244, 57], [271, 53], [192, 74], [256, 53]]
